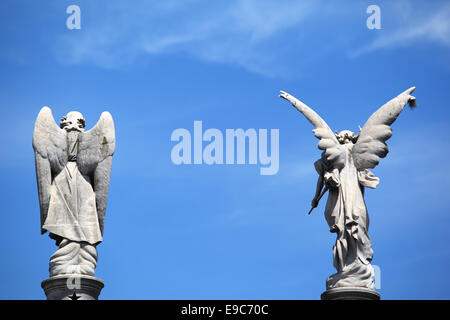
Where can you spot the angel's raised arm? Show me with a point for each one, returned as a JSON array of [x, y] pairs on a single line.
[[334, 152], [371, 144]]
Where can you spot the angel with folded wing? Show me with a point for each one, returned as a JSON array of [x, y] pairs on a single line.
[[73, 169], [344, 171]]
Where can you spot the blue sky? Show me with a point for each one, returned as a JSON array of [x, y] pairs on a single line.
[[225, 231]]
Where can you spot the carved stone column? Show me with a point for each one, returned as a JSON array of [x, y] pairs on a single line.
[[72, 287], [350, 293]]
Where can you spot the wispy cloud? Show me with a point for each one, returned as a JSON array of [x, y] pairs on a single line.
[[263, 36], [235, 32], [433, 27]]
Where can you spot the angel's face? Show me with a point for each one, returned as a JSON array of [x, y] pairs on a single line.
[[72, 121], [346, 136]]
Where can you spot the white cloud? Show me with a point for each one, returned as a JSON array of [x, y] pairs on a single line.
[[234, 32], [434, 27], [263, 36]]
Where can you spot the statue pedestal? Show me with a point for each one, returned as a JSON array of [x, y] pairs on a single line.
[[72, 287], [350, 293]]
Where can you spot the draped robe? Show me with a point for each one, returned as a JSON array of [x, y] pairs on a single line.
[[346, 215], [72, 212]]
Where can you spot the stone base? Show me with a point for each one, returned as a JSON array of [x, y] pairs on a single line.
[[350, 293], [72, 287]]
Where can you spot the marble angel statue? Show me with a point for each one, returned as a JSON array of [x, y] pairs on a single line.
[[344, 171], [73, 169]]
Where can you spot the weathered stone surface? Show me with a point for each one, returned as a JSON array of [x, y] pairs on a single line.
[[72, 287], [344, 172], [73, 169]]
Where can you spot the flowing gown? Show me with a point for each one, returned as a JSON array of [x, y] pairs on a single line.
[[72, 212], [72, 218], [346, 215]]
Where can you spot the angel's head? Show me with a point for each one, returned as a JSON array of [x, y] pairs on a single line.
[[346, 136], [72, 121]]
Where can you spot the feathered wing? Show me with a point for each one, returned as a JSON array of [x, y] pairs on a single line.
[[50, 150], [94, 159], [371, 144], [333, 150]]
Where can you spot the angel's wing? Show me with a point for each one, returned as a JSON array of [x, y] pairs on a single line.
[[371, 144], [334, 151], [50, 150], [94, 158]]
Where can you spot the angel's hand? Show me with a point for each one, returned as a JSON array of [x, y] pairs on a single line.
[[287, 96], [314, 203], [406, 97]]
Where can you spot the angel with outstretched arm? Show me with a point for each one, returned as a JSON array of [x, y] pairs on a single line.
[[73, 169], [344, 172]]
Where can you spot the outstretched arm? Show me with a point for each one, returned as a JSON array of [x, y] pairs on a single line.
[[312, 117], [334, 152], [300, 106]]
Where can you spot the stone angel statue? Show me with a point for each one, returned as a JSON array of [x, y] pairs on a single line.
[[344, 171], [73, 169]]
